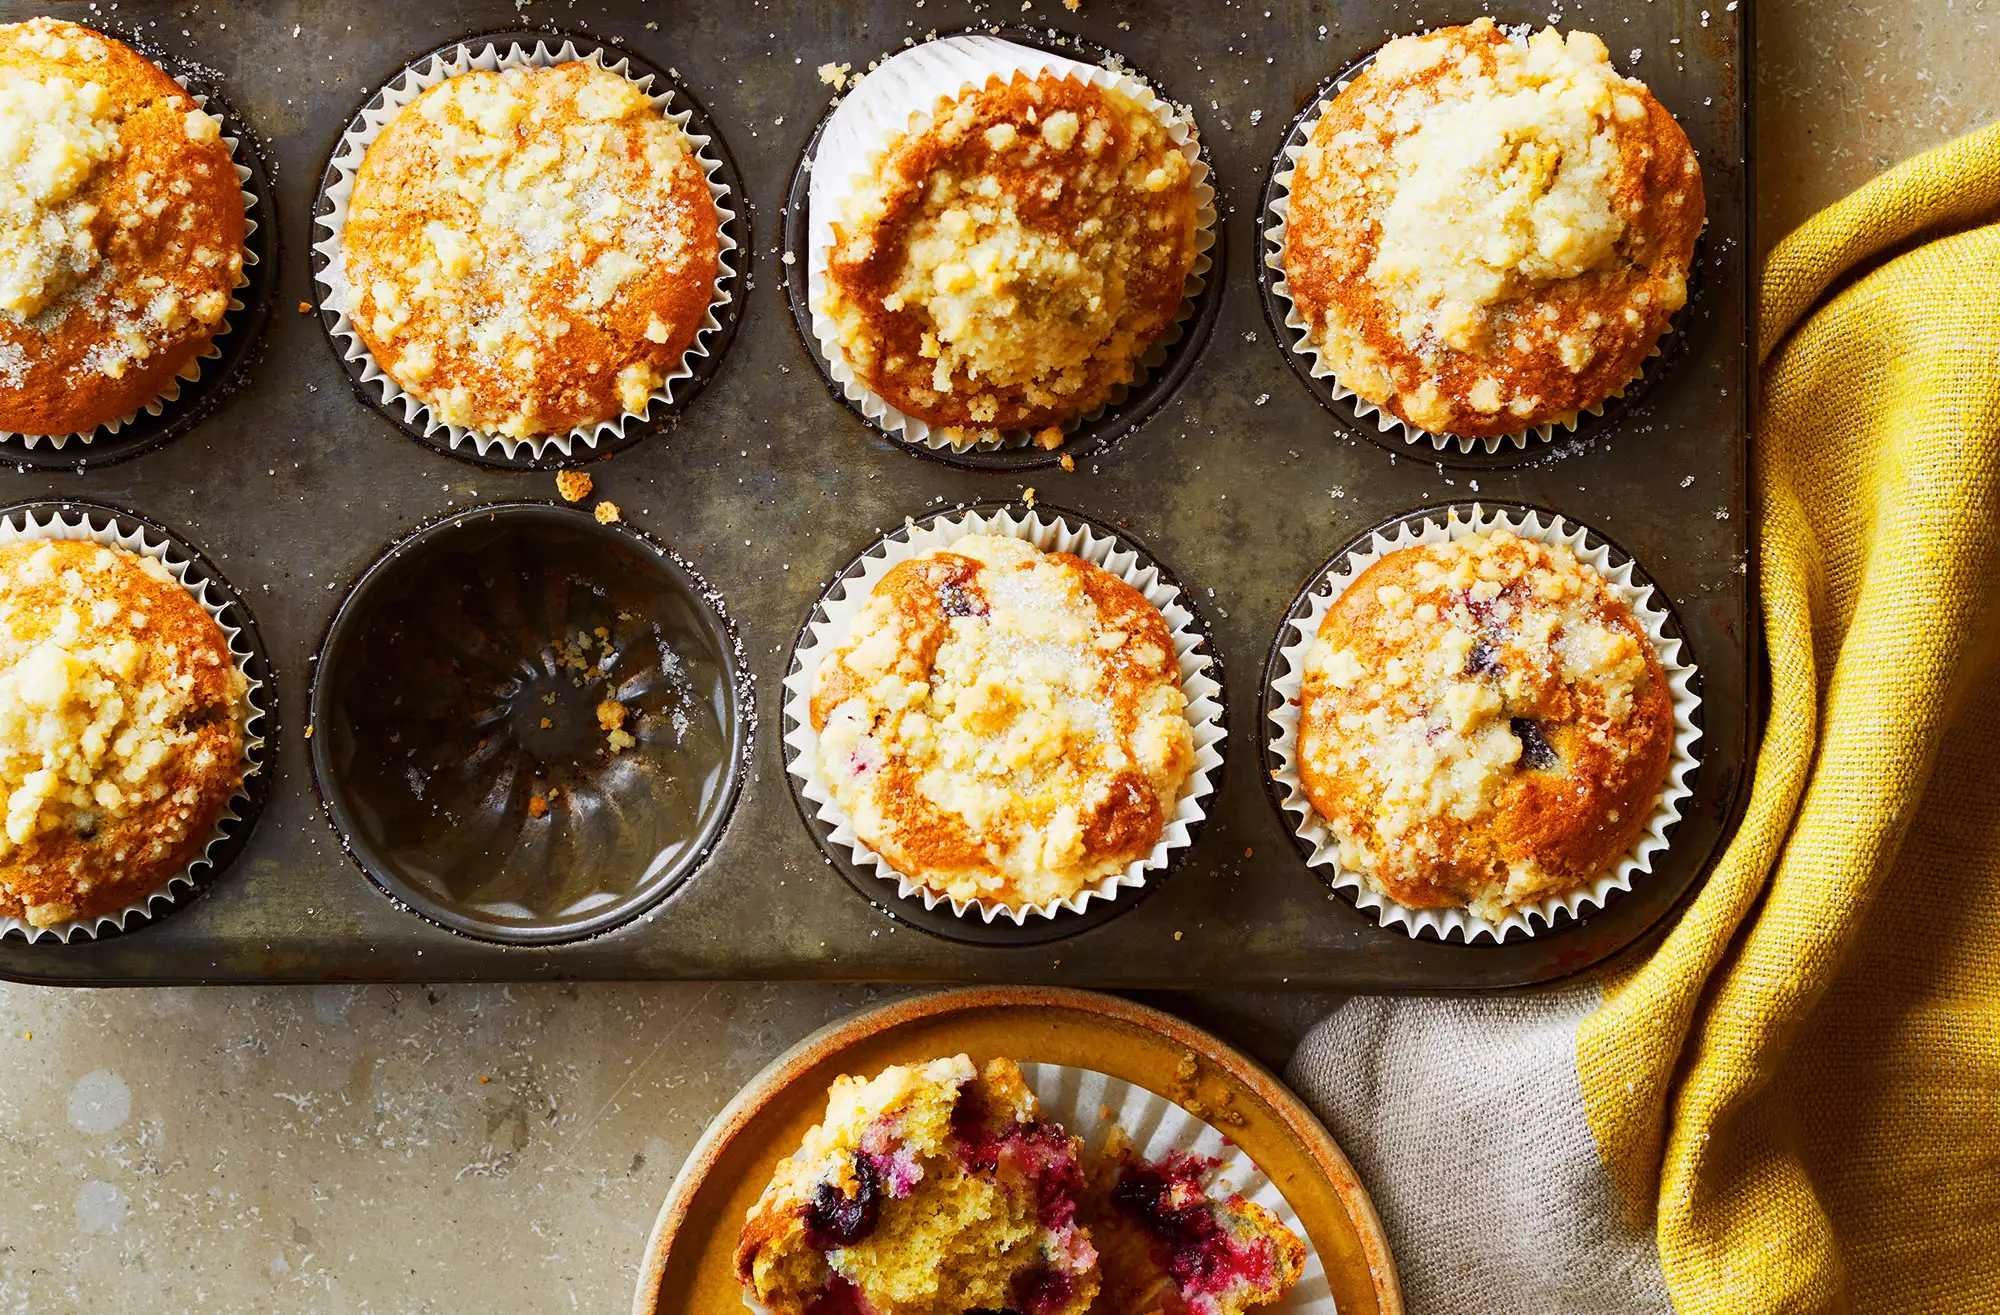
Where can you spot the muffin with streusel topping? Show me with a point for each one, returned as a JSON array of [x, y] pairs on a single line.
[[1484, 723], [930, 1189], [530, 251], [1003, 725], [1006, 263], [1488, 231], [122, 224], [121, 728]]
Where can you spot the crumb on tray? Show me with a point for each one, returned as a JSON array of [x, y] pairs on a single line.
[[607, 513], [574, 485]]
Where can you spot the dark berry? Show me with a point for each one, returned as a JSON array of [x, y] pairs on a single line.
[[1039, 1291], [1481, 660], [1190, 1238], [957, 602], [835, 1219], [1537, 754]]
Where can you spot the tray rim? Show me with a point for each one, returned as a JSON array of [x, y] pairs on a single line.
[[1738, 69], [821, 1044]]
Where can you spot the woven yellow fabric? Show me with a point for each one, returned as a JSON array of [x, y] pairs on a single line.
[[1804, 1080]]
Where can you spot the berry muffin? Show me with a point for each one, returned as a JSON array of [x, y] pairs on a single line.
[[121, 729], [1005, 265], [122, 222], [1489, 231], [1004, 725], [1483, 723], [928, 1190], [1166, 1246], [532, 250]]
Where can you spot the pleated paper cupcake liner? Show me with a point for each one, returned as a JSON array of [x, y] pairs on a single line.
[[1457, 522], [338, 189], [1299, 335], [1093, 1106], [191, 372], [899, 97], [98, 526], [834, 617]]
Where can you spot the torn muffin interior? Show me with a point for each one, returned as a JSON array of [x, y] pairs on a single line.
[[927, 1190]]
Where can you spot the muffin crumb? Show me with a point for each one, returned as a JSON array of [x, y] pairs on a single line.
[[606, 512], [836, 75], [574, 485]]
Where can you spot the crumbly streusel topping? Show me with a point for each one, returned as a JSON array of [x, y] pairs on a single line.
[[1462, 667], [1003, 723], [98, 710], [53, 135], [1505, 182], [506, 240], [1035, 237]]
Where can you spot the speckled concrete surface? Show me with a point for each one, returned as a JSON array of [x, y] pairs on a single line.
[[504, 1149]]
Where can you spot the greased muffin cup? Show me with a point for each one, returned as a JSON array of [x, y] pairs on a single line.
[[1316, 835], [338, 188], [100, 526], [192, 371], [900, 96], [834, 616], [1298, 339], [1093, 1106]]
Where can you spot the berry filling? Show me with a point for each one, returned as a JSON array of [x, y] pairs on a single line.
[[1041, 1290], [836, 1219], [1194, 1249], [840, 1298], [1537, 754]]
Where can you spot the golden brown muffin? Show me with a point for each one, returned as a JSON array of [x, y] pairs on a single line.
[[1483, 723], [1490, 231], [121, 728], [932, 1189], [532, 250], [122, 221], [1167, 1245], [1003, 724], [1009, 264]]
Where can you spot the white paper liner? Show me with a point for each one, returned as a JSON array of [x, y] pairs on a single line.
[[97, 526], [835, 615], [900, 96], [405, 87], [1457, 523], [1302, 339], [190, 372], [1089, 1104]]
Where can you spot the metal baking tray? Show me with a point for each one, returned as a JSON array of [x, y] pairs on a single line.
[[1236, 478]]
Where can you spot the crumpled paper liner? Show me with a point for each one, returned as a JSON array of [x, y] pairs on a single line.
[[900, 96], [835, 615], [97, 527], [404, 88], [1457, 523]]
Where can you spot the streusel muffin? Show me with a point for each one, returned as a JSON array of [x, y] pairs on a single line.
[[532, 250], [1006, 265], [1483, 723], [1168, 1245], [926, 1190], [1004, 725], [121, 728], [122, 224], [1489, 231]]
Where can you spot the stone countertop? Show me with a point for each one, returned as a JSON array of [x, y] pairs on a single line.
[[379, 1149]]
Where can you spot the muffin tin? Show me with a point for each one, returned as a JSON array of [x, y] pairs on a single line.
[[766, 486]]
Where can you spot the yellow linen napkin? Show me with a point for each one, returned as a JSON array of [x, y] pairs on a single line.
[[1805, 1078]]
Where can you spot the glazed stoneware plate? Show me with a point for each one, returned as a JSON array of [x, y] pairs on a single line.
[[687, 1271]]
